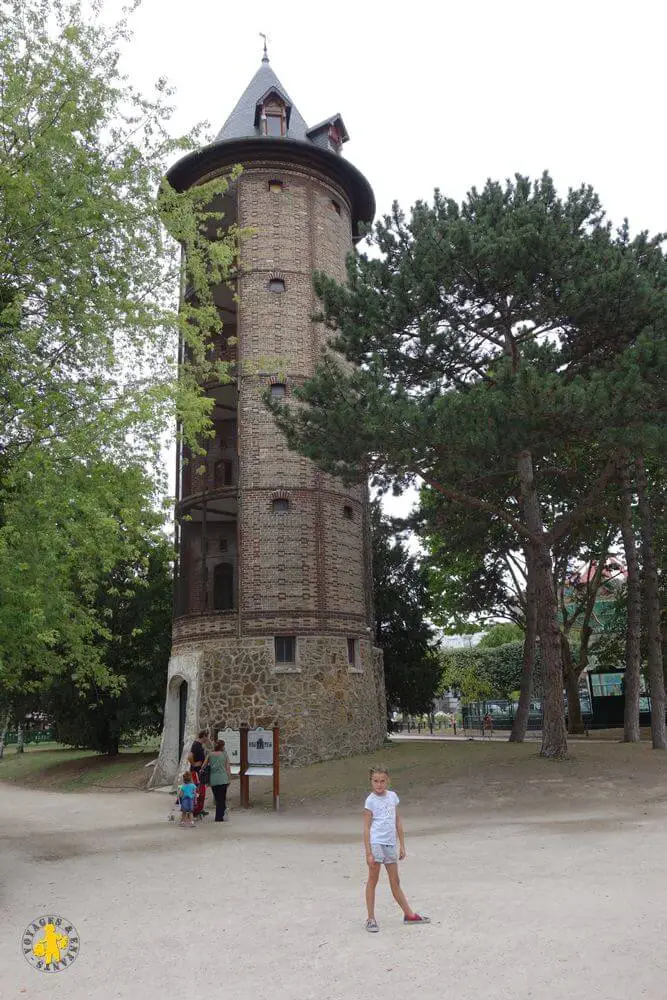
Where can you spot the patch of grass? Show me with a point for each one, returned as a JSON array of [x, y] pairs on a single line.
[[615, 735], [459, 776], [62, 769], [23, 767], [107, 773], [477, 775]]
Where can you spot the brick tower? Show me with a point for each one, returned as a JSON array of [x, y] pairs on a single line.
[[273, 621]]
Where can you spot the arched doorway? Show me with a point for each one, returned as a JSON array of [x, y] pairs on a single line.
[[182, 709]]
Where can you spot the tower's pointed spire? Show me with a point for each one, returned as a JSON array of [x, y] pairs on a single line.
[[242, 122], [265, 57]]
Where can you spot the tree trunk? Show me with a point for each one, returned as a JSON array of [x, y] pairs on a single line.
[[520, 723], [656, 677], [575, 722], [554, 739], [571, 675], [3, 734], [633, 637], [20, 737]]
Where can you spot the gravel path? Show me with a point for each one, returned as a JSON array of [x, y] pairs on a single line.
[[271, 906]]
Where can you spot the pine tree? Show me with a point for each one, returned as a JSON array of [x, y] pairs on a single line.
[[496, 342]]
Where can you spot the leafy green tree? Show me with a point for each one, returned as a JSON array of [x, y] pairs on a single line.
[[401, 601], [66, 530], [89, 323], [89, 278], [500, 635], [496, 342], [134, 607], [484, 672]]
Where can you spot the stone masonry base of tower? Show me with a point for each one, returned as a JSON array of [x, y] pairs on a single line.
[[324, 707]]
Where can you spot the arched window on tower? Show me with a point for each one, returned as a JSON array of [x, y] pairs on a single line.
[[223, 587]]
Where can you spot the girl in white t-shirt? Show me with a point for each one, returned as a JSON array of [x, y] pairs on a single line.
[[382, 828]]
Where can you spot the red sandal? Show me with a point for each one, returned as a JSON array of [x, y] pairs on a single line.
[[416, 918]]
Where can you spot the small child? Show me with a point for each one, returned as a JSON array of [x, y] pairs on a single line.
[[186, 798], [382, 827]]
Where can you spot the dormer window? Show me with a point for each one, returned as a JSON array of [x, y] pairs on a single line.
[[329, 134], [272, 114], [274, 124]]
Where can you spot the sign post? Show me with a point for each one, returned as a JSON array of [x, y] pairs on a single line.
[[243, 773], [254, 753], [276, 768]]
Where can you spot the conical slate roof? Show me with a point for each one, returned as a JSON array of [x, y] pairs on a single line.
[[241, 122], [241, 140]]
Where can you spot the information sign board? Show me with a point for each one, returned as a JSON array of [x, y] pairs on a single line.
[[260, 746], [232, 738]]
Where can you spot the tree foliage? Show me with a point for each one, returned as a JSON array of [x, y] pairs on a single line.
[[65, 532], [498, 343], [134, 609], [401, 601], [89, 324], [88, 277], [483, 672], [500, 635]]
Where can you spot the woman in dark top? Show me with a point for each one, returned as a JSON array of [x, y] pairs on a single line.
[[221, 774], [197, 754]]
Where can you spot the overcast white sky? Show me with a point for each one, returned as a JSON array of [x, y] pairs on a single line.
[[441, 95]]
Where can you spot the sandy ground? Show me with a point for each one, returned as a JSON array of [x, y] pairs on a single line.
[[569, 903]]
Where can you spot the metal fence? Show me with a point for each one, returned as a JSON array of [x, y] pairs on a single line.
[[34, 736], [423, 724], [502, 716]]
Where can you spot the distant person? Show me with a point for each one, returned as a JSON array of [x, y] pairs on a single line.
[[454, 724], [220, 776], [382, 828], [186, 799], [487, 726]]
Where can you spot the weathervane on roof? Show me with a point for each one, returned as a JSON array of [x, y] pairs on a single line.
[[265, 57]]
